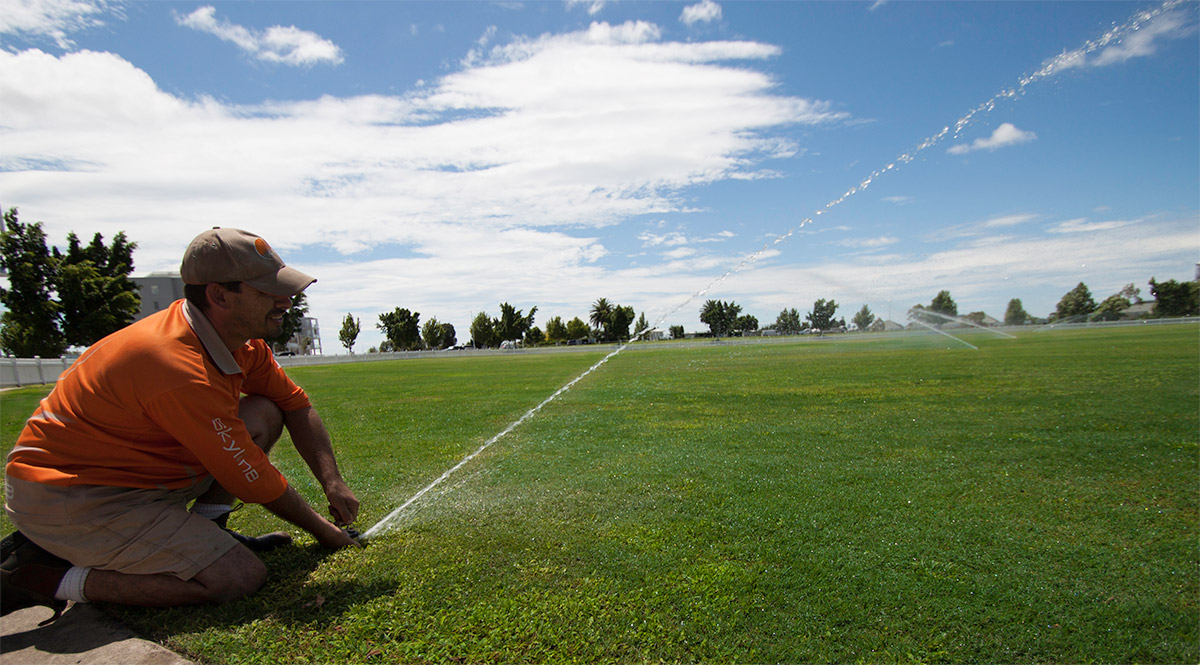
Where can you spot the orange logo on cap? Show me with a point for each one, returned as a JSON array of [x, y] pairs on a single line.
[[263, 249]]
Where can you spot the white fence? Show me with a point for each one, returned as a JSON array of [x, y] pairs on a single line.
[[16, 372]]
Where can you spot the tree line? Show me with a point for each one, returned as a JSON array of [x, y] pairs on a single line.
[[726, 319], [403, 330], [610, 322], [1172, 298]]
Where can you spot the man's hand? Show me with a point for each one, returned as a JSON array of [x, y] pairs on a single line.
[[343, 505], [335, 539]]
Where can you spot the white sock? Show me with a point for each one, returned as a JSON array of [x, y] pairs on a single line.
[[210, 510], [71, 587]]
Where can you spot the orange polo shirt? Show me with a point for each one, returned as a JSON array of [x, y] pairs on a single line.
[[154, 405]]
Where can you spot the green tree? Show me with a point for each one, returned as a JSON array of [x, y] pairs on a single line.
[[577, 329], [788, 322], [1131, 293], [821, 316], [431, 334], [534, 336], [292, 323], [1172, 298], [601, 313], [402, 329], [1015, 315], [349, 333], [449, 335], [95, 295], [864, 318], [29, 326], [512, 325], [483, 331], [1076, 303], [617, 328], [556, 330], [943, 304], [437, 335], [1111, 307], [746, 323], [641, 326], [720, 317], [677, 332]]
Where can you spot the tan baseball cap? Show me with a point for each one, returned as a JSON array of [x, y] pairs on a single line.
[[233, 255]]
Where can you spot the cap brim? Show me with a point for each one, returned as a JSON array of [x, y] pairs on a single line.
[[285, 282]]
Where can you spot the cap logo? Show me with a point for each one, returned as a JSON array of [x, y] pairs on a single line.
[[263, 249]]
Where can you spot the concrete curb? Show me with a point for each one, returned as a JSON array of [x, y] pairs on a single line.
[[83, 635]]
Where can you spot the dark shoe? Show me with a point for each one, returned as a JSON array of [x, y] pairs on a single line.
[[29, 576], [264, 543], [10, 543]]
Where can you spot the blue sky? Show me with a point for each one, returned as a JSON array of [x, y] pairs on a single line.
[[449, 156]]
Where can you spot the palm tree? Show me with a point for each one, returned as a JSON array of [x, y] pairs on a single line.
[[601, 313]]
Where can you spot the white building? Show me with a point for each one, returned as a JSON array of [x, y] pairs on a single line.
[[158, 291]]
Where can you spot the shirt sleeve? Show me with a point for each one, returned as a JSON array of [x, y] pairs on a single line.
[[264, 376], [203, 419]]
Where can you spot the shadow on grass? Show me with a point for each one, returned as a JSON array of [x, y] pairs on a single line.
[[289, 596]]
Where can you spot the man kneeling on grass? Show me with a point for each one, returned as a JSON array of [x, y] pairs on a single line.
[[183, 405]]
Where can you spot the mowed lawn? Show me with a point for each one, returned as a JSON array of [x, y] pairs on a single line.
[[851, 498]]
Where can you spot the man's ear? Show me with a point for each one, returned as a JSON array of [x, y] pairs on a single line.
[[217, 296]]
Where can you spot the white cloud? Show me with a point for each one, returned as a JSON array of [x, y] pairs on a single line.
[[869, 243], [593, 6], [1141, 43], [676, 238], [978, 229], [285, 45], [1137, 39], [54, 19], [1008, 220], [1005, 135], [570, 131], [899, 200], [1081, 225], [706, 11]]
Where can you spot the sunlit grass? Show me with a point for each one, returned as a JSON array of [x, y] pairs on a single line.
[[843, 499]]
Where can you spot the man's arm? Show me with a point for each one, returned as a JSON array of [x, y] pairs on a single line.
[[293, 508], [312, 442]]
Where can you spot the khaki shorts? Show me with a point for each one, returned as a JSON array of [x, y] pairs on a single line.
[[129, 530]]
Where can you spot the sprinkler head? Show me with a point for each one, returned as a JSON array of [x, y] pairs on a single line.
[[355, 535]]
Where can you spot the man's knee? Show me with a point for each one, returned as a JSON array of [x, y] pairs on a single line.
[[264, 420], [237, 573]]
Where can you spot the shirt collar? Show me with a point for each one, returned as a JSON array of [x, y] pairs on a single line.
[[210, 339]]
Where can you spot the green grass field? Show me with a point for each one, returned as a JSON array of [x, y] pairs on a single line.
[[852, 498]]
